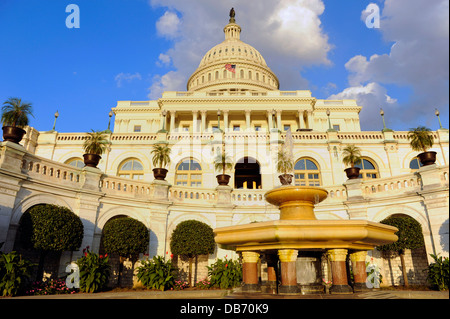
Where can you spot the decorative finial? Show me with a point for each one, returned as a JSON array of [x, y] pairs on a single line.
[[232, 15]]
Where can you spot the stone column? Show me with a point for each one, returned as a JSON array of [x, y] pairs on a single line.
[[288, 258], [269, 120], [247, 119], [279, 120], [172, 121], [301, 120], [250, 271], [225, 120], [339, 271], [194, 121], [358, 259], [203, 128]]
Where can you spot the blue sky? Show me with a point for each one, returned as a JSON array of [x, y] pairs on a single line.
[[135, 49]]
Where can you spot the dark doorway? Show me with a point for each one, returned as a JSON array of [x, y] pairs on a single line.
[[247, 174]]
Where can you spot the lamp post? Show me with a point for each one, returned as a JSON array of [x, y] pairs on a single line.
[[109, 122], [436, 112], [54, 123], [330, 129], [164, 113], [385, 129]]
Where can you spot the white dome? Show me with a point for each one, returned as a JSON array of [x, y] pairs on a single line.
[[233, 65]]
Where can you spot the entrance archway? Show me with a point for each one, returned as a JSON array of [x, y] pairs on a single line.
[[247, 174]]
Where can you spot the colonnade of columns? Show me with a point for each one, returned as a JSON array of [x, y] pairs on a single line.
[[288, 271], [273, 119]]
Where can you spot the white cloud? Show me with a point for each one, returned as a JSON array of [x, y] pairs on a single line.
[[418, 59], [168, 25], [170, 81], [371, 97], [287, 33], [163, 60], [128, 77]]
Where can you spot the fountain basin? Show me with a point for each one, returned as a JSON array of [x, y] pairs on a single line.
[[296, 202], [305, 234]]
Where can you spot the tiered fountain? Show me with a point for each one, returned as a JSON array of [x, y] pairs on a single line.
[[298, 241]]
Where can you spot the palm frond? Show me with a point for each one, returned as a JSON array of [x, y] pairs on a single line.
[[352, 155], [15, 112], [284, 163], [96, 143], [421, 138], [161, 155]]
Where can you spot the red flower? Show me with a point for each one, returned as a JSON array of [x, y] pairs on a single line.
[[226, 265], [101, 256], [106, 255], [171, 256], [85, 254]]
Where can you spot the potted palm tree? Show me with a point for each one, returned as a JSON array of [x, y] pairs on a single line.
[[352, 156], [160, 159], [15, 115], [421, 139], [285, 165], [222, 162], [94, 146]]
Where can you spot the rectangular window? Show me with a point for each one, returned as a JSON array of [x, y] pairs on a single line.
[[236, 128], [336, 127], [137, 128], [185, 128], [287, 127], [257, 128]]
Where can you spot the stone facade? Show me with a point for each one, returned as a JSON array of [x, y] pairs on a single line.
[[254, 120]]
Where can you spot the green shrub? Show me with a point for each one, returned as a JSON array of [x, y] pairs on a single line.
[[156, 274], [225, 274], [15, 273], [94, 271], [50, 228], [125, 236], [190, 239], [438, 272]]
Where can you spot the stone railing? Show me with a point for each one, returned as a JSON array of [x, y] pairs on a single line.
[[400, 183], [39, 168], [248, 197], [120, 186], [46, 171], [179, 194]]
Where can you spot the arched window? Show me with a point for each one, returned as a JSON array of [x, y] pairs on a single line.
[[242, 74], [75, 161], [368, 168], [306, 173], [189, 173], [131, 168], [415, 164]]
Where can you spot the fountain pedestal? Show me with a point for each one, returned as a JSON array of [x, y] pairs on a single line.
[[339, 272], [250, 271], [288, 258]]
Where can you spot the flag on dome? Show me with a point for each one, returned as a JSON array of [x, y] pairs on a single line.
[[231, 67]]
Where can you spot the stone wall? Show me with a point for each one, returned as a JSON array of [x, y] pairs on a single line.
[[415, 263]]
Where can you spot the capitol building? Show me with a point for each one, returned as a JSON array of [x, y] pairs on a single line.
[[232, 100]]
